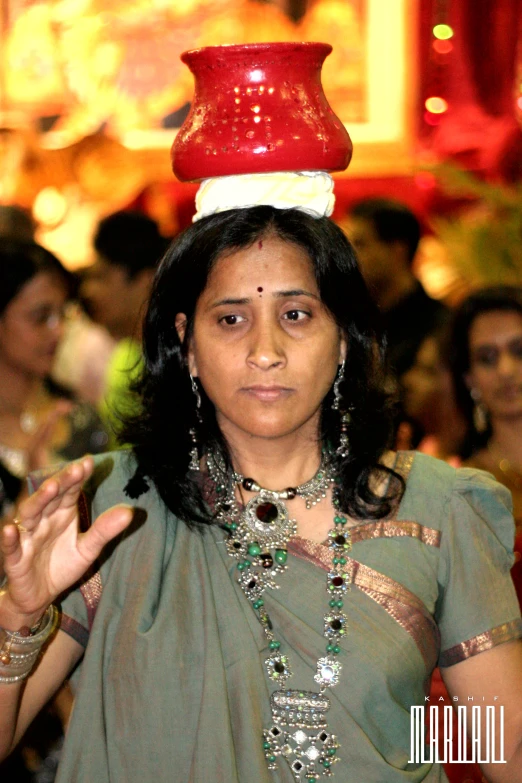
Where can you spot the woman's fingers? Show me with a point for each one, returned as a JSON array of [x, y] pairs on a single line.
[[9, 541], [43, 551], [59, 492], [108, 525]]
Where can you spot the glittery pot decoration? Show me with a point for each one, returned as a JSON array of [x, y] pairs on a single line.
[[259, 108]]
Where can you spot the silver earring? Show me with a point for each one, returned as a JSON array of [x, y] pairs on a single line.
[[197, 395], [336, 391], [480, 412], [194, 454], [343, 449]]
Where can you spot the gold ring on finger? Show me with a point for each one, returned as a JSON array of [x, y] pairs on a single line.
[[19, 525]]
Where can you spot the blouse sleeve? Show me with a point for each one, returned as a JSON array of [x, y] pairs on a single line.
[[477, 607]]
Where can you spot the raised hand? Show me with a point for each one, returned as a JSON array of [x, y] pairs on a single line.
[[44, 553]]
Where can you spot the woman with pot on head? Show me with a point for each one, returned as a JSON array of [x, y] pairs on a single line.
[[259, 461], [487, 370]]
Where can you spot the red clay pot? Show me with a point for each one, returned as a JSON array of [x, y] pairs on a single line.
[[259, 108]]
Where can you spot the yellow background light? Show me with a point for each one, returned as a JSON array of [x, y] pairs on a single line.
[[436, 105], [442, 31]]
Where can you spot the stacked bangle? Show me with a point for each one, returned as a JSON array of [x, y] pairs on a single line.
[[19, 650]]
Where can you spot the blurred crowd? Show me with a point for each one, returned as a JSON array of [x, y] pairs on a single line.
[[70, 350]]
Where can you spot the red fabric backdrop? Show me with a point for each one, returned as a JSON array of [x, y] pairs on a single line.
[[477, 79]]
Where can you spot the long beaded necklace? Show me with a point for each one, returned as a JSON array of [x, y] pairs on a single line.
[[258, 539]]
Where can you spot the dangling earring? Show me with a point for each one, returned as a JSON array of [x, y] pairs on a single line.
[[336, 389], [194, 454], [480, 412], [343, 449]]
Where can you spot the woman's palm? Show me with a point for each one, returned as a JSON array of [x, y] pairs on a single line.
[[46, 553]]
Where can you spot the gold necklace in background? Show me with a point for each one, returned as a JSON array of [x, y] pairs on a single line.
[[29, 418]]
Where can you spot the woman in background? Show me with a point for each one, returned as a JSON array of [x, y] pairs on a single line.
[[428, 401], [40, 424], [487, 371]]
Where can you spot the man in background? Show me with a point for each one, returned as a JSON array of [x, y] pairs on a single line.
[[386, 236], [115, 292]]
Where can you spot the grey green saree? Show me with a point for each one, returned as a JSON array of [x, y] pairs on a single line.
[[173, 685]]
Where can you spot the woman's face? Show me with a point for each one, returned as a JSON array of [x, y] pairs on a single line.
[[495, 349], [264, 347], [424, 384], [31, 325]]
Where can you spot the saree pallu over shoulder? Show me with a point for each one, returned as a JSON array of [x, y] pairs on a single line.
[[400, 603]]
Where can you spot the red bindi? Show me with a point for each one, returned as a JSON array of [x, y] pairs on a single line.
[[260, 244], [259, 289]]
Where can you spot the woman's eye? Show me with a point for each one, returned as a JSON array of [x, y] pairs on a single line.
[[296, 315], [486, 358], [40, 317], [231, 320], [515, 349], [47, 316]]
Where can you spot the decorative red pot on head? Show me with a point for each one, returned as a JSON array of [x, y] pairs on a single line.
[[259, 108]]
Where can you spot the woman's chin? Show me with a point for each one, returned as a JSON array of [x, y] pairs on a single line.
[[507, 412], [266, 427]]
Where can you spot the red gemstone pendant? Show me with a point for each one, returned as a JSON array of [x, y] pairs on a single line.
[[267, 513]]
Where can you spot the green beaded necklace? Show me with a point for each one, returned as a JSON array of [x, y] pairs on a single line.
[[258, 536]]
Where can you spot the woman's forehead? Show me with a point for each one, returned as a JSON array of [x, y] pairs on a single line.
[[43, 285], [269, 263], [493, 325]]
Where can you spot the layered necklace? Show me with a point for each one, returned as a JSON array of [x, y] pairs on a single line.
[[258, 536]]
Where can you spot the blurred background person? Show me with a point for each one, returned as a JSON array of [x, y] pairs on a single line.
[[482, 349], [83, 356], [435, 423], [85, 348], [40, 422], [114, 293], [487, 369], [386, 235]]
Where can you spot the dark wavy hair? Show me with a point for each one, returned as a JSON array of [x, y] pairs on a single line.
[[507, 299], [391, 220], [20, 261], [159, 434], [131, 240]]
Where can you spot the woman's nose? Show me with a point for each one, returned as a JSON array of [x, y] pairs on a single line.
[[266, 350], [506, 363]]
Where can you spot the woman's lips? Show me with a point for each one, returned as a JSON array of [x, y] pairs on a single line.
[[509, 393], [268, 393]]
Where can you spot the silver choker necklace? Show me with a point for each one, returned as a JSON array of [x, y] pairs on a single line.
[[265, 517]]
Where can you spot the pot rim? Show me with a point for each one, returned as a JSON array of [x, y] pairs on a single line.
[[258, 48]]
